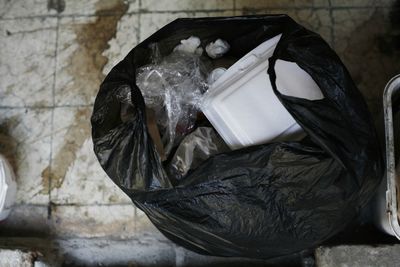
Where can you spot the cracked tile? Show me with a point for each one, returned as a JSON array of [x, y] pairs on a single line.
[[202, 14], [25, 141], [97, 7], [367, 42], [133, 5], [125, 40], [317, 20], [94, 221], [151, 22], [362, 3], [76, 175], [22, 8], [185, 5], [253, 4], [28, 59], [78, 77], [82, 40]]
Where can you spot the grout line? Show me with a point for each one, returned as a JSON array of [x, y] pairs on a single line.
[[112, 237], [144, 11], [236, 12], [116, 237], [52, 117], [47, 107], [139, 24], [52, 204]]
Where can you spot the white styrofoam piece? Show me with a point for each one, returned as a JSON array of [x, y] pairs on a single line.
[[242, 106], [8, 188]]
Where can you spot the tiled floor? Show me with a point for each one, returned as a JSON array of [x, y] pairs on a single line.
[[55, 53]]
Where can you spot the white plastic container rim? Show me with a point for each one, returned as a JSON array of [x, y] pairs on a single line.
[[8, 188], [387, 196]]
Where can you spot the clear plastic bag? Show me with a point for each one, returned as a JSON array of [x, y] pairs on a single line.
[[173, 86]]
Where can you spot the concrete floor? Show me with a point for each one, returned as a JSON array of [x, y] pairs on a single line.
[[55, 53]]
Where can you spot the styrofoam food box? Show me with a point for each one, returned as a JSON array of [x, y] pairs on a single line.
[[242, 106]]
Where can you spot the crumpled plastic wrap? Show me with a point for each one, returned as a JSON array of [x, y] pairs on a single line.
[[190, 45], [217, 49], [195, 148], [173, 86]]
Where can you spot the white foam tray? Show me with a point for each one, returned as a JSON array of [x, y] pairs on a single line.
[[242, 106]]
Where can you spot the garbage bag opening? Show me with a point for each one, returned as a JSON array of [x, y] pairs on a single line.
[[261, 201]]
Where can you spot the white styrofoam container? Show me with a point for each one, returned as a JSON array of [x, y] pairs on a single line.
[[8, 188], [242, 106]]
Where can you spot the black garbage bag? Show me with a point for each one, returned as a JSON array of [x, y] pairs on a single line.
[[262, 201]]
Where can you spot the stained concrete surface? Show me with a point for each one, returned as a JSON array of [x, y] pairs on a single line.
[[55, 53], [11, 258], [358, 256], [144, 250]]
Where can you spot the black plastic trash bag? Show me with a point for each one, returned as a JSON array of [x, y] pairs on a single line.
[[261, 201]]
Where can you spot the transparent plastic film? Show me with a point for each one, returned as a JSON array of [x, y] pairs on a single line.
[[172, 86]]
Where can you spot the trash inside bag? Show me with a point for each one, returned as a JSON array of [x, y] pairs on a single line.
[[172, 86], [190, 46], [217, 49], [242, 106], [195, 148], [261, 201]]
